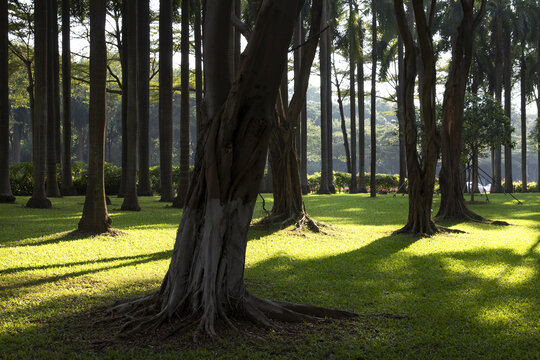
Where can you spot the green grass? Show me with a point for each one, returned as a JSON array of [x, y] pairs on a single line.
[[469, 296]]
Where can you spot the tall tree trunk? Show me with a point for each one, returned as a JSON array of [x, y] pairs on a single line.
[[183, 182], [523, 80], [373, 110], [198, 68], [499, 77], [453, 205], [131, 202], [421, 175], [538, 106], [324, 187], [6, 196], [67, 181], [361, 113], [343, 124], [143, 66], [123, 51], [165, 100], [474, 168], [16, 142], [401, 120], [52, 101], [508, 183], [95, 218], [39, 130], [303, 118], [330, 130], [205, 280], [352, 92]]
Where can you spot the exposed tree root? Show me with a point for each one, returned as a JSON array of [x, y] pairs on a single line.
[[425, 230], [301, 221]]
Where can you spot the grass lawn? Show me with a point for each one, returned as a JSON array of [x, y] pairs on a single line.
[[468, 296]]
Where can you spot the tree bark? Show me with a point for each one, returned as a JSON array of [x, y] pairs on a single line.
[[373, 111], [508, 183], [165, 100], [499, 77], [352, 92], [198, 68], [453, 205], [361, 113], [67, 181], [523, 86], [95, 218], [6, 196], [324, 187], [402, 189], [143, 38], [52, 101], [329, 119], [205, 280], [39, 130], [181, 193], [303, 127], [123, 51], [343, 125], [131, 202]]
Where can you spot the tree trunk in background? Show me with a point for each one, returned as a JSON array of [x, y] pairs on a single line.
[[343, 125], [453, 205], [205, 280], [523, 81], [131, 202], [52, 101], [17, 135], [421, 175], [402, 189], [67, 181], [6, 196], [123, 52], [302, 144], [538, 107], [373, 111], [165, 100], [183, 182], [95, 218], [143, 66], [498, 43], [329, 130], [324, 187], [352, 91], [198, 69], [361, 112], [39, 130], [508, 184]]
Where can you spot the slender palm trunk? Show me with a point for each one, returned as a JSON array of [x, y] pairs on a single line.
[[330, 131], [361, 113], [508, 183], [373, 110], [39, 130], [95, 218], [5, 189], [523, 78], [324, 187], [352, 93], [143, 38], [165, 100], [401, 120], [343, 126], [67, 180], [123, 51], [183, 182], [198, 68]]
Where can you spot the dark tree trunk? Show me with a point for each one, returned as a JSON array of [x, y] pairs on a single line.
[[401, 120], [361, 113], [474, 168], [330, 130], [67, 181], [52, 101], [165, 100], [16, 145], [453, 205], [538, 106], [352, 92], [143, 66], [123, 51], [183, 182], [523, 80], [421, 174], [39, 130], [6, 196], [303, 122], [373, 110], [498, 76], [343, 125], [205, 280], [324, 187], [198, 68], [508, 183], [288, 203], [95, 218], [131, 202]]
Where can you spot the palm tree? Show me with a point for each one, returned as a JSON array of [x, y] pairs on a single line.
[[361, 109], [165, 99], [373, 111], [39, 130], [5, 189], [324, 187], [179, 200], [352, 92], [95, 218]]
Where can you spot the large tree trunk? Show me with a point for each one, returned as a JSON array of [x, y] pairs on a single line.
[[329, 112], [131, 202], [205, 280], [5, 189], [453, 205], [123, 51], [52, 102], [324, 187], [421, 175], [361, 112], [343, 125], [181, 193], [39, 130], [165, 100], [508, 183], [303, 127], [373, 110], [143, 37], [401, 121], [95, 218], [67, 181], [523, 80], [198, 67], [352, 92]]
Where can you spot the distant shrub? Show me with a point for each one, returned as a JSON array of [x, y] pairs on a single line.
[[21, 178], [518, 186]]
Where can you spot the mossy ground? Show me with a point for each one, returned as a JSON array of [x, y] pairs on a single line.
[[472, 295]]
